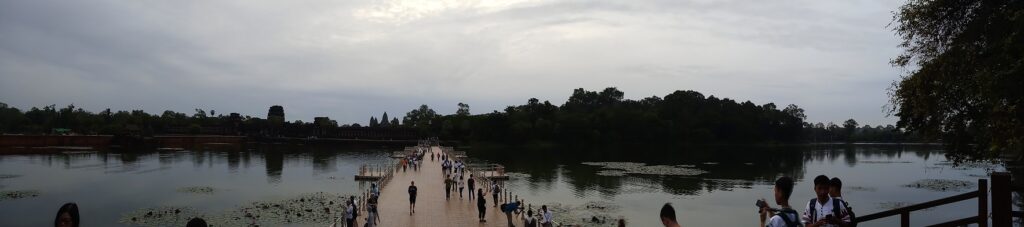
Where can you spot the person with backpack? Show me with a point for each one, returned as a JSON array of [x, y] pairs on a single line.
[[823, 210], [836, 192], [785, 216], [495, 190]]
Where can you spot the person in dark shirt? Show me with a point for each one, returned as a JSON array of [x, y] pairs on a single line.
[[412, 197]]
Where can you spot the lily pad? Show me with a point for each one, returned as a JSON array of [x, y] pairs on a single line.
[[592, 213], [12, 195], [314, 209], [644, 169], [197, 190], [941, 185]]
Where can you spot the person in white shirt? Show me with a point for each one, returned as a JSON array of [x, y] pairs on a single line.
[[529, 220], [823, 210], [786, 216], [547, 221]]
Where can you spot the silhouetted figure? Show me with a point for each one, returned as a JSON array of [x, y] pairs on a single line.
[[67, 216], [668, 216], [481, 204], [196, 222], [412, 197], [472, 186]]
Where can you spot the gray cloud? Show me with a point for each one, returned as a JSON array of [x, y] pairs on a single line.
[[350, 60]]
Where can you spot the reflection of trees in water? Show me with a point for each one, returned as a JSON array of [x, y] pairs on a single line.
[[727, 167], [275, 165]]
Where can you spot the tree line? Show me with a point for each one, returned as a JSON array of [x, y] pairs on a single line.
[[587, 116]]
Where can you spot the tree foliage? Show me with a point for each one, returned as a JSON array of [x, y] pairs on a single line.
[[965, 80]]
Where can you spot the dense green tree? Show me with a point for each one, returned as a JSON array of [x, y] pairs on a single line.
[[850, 126], [965, 74], [463, 110], [424, 119]]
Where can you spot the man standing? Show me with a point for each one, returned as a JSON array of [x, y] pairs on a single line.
[[447, 188], [785, 217], [495, 190], [836, 192], [668, 216], [350, 210], [548, 220], [412, 197], [472, 184], [823, 210]]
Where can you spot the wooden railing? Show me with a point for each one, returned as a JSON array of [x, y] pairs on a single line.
[[1002, 207]]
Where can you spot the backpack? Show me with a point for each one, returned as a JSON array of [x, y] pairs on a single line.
[[785, 218], [849, 212], [835, 208]]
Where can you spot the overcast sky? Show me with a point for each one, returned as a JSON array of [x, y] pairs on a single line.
[[353, 59]]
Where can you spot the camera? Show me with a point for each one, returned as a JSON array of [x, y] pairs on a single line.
[[761, 204]]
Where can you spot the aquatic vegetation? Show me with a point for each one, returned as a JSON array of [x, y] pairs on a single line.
[[162, 216], [863, 189], [882, 162], [12, 195], [941, 185], [592, 213], [644, 169], [308, 209], [611, 173], [515, 175], [197, 190]]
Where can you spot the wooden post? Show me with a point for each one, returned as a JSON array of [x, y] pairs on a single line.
[[905, 219], [982, 203], [1002, 200]]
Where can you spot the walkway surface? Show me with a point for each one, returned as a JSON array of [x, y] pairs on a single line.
[[431, 207]]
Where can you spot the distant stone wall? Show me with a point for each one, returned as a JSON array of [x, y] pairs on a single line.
[[54, 140], [189, 141]]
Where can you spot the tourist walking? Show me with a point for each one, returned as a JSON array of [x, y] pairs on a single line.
[[412, 197], [481, 204], [461, 186], [495, 190], [447, 188], [472, 185]]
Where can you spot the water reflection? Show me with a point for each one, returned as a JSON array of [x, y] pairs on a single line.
[[111, 183]]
